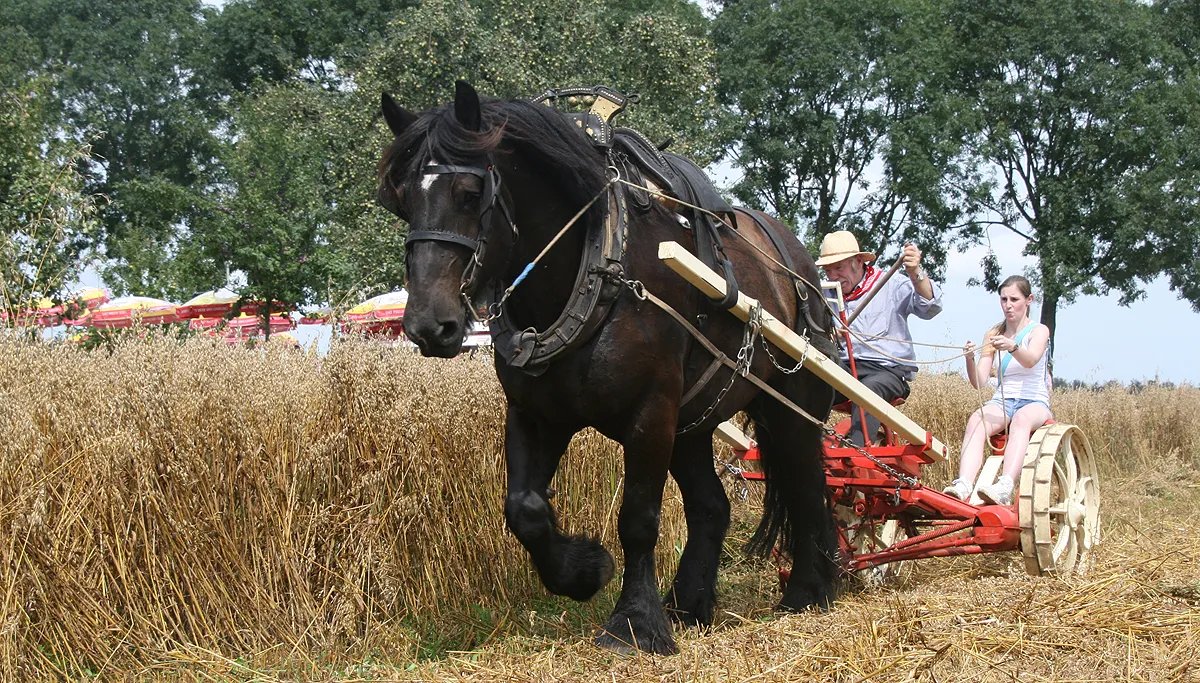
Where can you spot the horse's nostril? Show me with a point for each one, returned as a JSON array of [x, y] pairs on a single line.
[[448, 332]]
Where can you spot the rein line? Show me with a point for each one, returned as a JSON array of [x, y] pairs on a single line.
[[798, 276], [494, 309]]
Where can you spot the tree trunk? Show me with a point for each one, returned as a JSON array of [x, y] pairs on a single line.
[[1049, 314], [266, 321]]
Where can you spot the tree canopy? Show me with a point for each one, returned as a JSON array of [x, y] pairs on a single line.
[[846, 117], [1088, 118], [175, 142], [47, 217], [1070, 123]]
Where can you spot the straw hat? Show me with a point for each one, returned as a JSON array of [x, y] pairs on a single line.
[[839, 246]]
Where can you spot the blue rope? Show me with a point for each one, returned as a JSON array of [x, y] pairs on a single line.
[[527, 271]]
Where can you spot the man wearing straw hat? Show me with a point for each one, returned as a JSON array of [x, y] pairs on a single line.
[[883, 351]]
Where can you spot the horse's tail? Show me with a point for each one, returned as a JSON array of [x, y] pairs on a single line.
[[775, 527]]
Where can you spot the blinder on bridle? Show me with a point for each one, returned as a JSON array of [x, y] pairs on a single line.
[[474, 275]]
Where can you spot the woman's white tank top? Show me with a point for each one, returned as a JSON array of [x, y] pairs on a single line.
[[1019, 381]]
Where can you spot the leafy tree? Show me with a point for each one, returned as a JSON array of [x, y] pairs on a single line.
[[1089, 119], [282, 41], [125, 80], [47, 219], [166, 84], [516, 48], [271, 220], [844, 117]]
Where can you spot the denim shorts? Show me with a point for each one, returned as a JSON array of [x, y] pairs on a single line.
[[1012, 405]]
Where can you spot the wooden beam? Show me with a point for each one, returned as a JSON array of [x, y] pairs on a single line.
[[682, 261], [736, 438]]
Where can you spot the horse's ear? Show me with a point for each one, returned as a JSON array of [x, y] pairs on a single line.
[[466, 106], [398, 118]]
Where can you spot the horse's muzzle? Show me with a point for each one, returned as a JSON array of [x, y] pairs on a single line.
[[439, 339]]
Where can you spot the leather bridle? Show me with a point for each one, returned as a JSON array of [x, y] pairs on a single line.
[[474, 275]]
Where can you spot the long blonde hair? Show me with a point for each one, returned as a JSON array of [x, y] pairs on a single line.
[[1025, 289]]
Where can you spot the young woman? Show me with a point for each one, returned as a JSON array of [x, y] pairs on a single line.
[[1015, 349]]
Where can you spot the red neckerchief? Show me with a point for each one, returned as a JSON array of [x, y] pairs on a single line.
[[870, 276]]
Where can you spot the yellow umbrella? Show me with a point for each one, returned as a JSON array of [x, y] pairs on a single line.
[[378, 315], [127, 310], [212, 304], [91, 298]]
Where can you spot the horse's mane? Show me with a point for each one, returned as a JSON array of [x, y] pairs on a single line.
[[541, 134]]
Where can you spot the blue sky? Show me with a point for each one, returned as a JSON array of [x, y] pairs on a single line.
[[1097, 339]]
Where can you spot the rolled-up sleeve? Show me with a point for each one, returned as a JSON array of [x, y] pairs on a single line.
[[912, 303]]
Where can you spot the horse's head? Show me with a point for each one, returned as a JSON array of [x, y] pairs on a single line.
[[439, 175]]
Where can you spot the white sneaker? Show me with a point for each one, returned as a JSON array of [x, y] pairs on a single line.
[[999, 493], [959, 488]]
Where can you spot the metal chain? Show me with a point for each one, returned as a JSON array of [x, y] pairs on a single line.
[[799, 364], [745, 356], [739, 474], [846, 443]]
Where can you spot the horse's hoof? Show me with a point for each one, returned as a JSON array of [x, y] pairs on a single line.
[[620, 636], [608, 641], [685, 619], [803, 601], [689, 617], [586, 568], [624, 645]]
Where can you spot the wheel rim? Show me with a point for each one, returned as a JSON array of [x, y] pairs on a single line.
[[1059, 504]]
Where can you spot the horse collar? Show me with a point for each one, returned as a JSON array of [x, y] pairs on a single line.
[[532, 351]]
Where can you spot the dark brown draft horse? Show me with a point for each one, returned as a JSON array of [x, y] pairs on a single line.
[[485, 186]]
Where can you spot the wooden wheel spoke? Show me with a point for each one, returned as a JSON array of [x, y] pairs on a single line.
[[1065, 468], [1065, 546]]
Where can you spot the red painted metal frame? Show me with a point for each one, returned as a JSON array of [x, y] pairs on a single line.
[[938, 525]]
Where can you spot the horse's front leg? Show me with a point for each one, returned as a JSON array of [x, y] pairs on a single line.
[[574, 566], [639, 620]]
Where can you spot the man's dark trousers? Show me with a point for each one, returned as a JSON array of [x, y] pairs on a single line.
[[885, 380]]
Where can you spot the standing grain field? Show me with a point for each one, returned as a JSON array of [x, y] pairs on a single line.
[[174, 506]]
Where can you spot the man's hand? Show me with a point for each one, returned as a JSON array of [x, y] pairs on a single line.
[[912, 259]]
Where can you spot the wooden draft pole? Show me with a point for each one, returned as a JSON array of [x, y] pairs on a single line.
[[683, 262]]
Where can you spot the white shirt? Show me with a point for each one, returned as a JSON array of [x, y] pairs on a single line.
[[887, 316], [1018, 381]]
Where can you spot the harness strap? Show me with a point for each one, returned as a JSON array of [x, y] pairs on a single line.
[[474, 277], [440, 169], [722, 359], [592, 296], [789, 265], [441, 236], [719, 358]]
